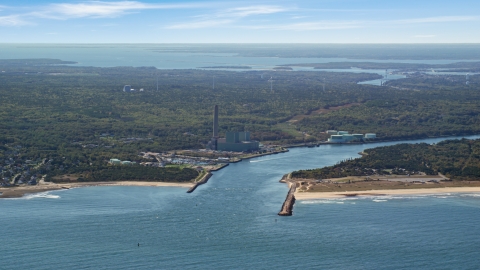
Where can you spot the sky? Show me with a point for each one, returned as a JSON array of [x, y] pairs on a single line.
[[260, 21]]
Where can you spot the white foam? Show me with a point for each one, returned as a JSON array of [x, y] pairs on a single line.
[[377, 200], [470, 195], [317, 202], [442, 194], [44, 195], [329, 201]]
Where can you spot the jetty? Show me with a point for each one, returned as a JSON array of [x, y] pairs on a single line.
[[202, 181], [287, 207]]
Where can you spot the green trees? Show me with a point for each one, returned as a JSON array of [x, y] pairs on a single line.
[[80, 118], [459, 159], [140, 173]]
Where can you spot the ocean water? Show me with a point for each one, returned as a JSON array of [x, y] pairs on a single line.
[[232, 223], [164, 56], [184, 56]]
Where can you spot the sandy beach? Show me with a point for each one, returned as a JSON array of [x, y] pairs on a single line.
[[16, 192], [386, 192]]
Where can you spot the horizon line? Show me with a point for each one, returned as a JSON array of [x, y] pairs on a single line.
[[271, 43]]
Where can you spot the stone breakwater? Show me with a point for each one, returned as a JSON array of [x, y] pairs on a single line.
[[287, 207], [202, 181]]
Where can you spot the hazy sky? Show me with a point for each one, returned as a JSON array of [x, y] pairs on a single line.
[[261, 21]]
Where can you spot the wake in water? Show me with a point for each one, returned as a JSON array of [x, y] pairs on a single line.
[[254, 161], [282, 157]]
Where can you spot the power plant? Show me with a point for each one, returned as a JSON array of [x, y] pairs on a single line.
[[233, 141]]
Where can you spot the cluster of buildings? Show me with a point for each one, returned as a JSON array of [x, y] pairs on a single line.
[[344, 136], [115, 161], [162, 159], [15, 170], [233, 141]]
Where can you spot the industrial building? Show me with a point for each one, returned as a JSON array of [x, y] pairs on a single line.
[[115, 161], [237, 142], [344, 136], [127, 88], [233, 141]]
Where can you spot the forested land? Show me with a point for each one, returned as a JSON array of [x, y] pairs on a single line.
[[79, 117], [456, 159], [134, 173], [419, 107]]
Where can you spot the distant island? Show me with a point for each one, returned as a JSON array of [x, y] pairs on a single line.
[[228, 67], [34, 62], [282, 68], [399, 67]]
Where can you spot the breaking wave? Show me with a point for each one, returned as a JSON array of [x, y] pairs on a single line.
[[45, 195]]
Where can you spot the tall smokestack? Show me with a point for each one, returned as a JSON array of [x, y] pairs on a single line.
[[215, 122]]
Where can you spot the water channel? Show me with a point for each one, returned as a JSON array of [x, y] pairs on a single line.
[[232, 223]]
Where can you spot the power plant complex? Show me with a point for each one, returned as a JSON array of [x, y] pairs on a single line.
[[233, 141]]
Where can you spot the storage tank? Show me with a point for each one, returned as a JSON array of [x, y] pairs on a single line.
[[370, 136], [348, 137], [358, 136], [336, 138]]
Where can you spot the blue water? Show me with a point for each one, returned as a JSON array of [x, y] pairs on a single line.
[[232, 223], [165, 57]]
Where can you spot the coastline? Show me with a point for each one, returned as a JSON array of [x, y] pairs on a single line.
[[376, 140], [17, 192], [386, 192]]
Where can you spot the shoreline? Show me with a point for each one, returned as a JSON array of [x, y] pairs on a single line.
[[385, 192], [18, 192], [376, 140]]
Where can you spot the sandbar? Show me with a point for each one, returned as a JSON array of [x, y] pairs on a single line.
[[385, 192]]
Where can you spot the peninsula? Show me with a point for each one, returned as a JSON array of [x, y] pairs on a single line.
[[449, 166]]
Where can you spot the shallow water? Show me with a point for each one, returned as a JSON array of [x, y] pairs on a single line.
[[232, 223]]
